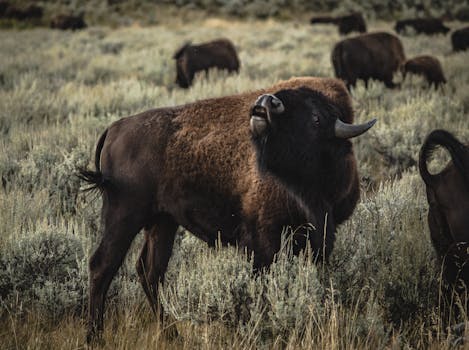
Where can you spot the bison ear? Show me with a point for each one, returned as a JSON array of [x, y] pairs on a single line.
[[346, 131]]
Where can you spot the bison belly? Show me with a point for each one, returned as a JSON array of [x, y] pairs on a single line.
[[208, 215]]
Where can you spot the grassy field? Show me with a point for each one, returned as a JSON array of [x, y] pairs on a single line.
[[58, 92]]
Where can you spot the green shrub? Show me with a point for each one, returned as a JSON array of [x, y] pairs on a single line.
[[43, 270]]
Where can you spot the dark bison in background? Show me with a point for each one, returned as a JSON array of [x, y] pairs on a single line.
[[368, 56], [422, 26], [448, 199], [426, 66], [236, 168], [190, 59], [65, 22], [20, 13], [353, 22], [460, 39]]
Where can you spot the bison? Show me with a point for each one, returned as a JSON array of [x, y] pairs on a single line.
[[368, 56], [422, 25], [30, 12], [236, 168], [427, 66], [353, 22], [460, 39], [65, 22], [191, 59], [448, 199]]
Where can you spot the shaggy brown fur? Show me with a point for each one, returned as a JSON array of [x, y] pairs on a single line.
[[368, 56], [427, 66], [448, 199], [460, 39], [65, 22], [194, 166], [353, 22], [422, 25], [191, 59]]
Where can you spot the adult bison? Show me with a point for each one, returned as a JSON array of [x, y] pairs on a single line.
[[191, 59], [238, 168], [426, 66], [422, 25], [460, 39], [448, 199], [353, 22], [66, 22], [368, 56]]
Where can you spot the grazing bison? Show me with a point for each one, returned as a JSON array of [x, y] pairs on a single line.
[[353, 22], [30, 12], [427, 66], [460, 39], [65, 22], [190, 59], [197, 166], [448, 199], [422, 25], [368, 56]]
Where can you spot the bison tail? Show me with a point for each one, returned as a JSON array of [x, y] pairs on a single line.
[[455, 148], [324, 19], [95, 179]]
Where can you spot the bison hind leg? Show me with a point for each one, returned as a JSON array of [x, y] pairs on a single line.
[[154, 257], [121, 224]]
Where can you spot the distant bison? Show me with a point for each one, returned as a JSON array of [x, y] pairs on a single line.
[[65, 22], [448, 199], [460, 39], [368, 56], [353, 22], [427, 66], [236, 168], [30, 12], [422, 25], [190, 59]]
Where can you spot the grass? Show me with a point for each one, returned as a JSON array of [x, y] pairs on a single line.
[[59, 90]]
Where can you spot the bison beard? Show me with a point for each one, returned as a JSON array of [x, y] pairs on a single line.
[[195, 166], [448, 199]]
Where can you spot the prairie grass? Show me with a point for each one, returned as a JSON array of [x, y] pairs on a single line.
[[59, 90]]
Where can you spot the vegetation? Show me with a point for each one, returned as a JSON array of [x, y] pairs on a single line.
[[59, 90]]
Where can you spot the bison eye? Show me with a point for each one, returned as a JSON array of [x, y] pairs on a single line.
[[316, 119]]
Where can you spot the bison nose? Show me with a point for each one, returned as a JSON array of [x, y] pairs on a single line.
[[261, 113], [271, 103]]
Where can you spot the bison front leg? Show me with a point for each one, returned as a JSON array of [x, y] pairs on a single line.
[[120, 228], [154, 258]]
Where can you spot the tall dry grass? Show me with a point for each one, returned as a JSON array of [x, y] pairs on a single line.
[[59, 90]]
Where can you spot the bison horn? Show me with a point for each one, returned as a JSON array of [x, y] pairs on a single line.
[[347, 131]]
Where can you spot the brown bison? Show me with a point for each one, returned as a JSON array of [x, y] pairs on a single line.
[[448, 199], [236, 168], [427, 66], [460, 39], [368, 56], [353, 22], [65, 22], [422, 25], [30, 12], [190, 59]]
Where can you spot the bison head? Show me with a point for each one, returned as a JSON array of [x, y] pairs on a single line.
[[299, 133]]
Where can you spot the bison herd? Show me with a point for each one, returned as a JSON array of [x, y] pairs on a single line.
[[240, 168], [34, 14]]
